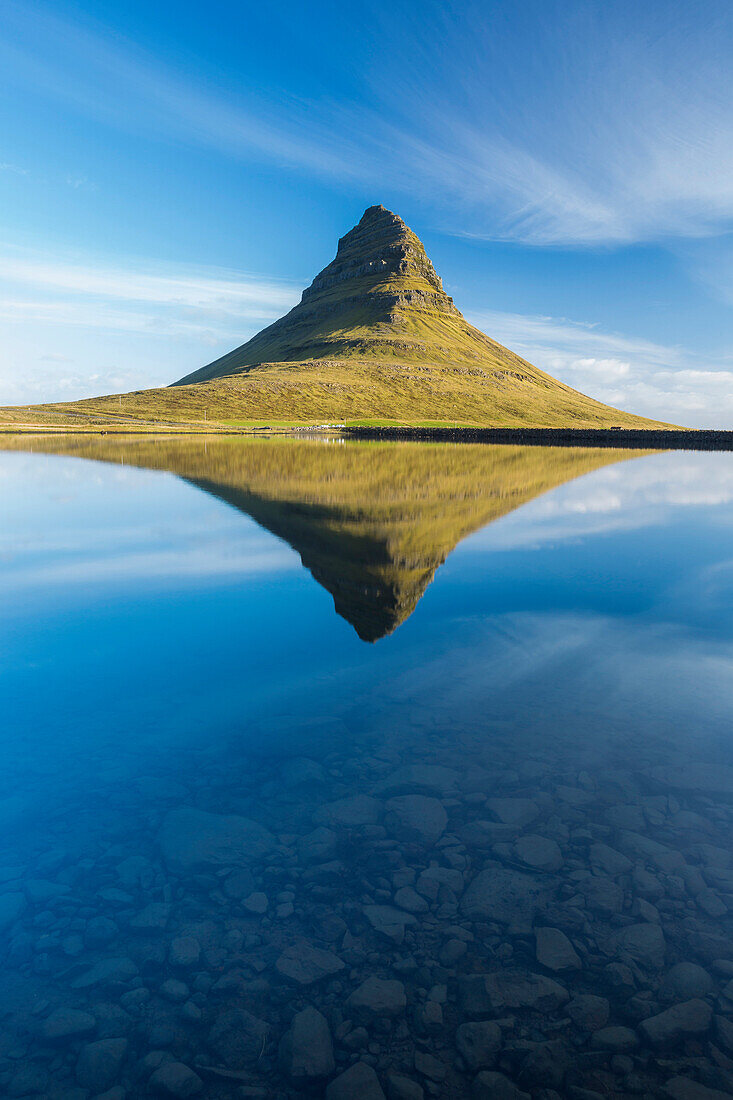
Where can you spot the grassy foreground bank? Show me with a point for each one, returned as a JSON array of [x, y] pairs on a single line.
[[287, 395]]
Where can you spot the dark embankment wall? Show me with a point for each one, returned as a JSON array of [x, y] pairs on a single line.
[[560, 437]]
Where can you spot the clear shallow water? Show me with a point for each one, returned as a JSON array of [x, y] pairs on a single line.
[[550, 626]]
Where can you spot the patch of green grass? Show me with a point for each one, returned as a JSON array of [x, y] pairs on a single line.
[[381, 422]]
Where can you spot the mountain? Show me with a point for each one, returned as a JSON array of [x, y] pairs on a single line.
[[380, 298], [374, 337], [371, 522], [377, 316]]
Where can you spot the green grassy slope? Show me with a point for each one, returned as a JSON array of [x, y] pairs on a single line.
[[337, 391]]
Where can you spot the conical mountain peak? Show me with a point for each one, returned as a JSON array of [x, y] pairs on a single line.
[[375, 335], [379, 297]]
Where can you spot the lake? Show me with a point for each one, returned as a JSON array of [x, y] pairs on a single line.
[[365, 769]]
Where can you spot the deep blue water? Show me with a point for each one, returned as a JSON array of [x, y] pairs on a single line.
[[149, 626]]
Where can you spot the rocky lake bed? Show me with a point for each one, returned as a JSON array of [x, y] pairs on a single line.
[[454, 914]]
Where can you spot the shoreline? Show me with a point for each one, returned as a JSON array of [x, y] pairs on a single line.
[[682, 439]]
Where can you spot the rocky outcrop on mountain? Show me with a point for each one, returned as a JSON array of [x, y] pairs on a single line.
[[381, 246]]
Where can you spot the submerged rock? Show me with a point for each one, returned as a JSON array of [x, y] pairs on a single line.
[[419, 779], [644, 943], [184, 952], [679, 1022], [607, 860], [417, 818], [555, 951], [12, 907], [176, 1079], [696, 776], [478, 1044], [99, 1063], [318, 846], [509, 897], [360, 1082], [403, 1088], [432, 879], [485, 994], [306, 1050], [588, 1011], [408, 899], [682, 1088], [685, 980], [29, 1080], [616, 1039], [376, 998], [539, 852], [67, 1023], [105, 972], [304, 964], [351, 813], [192, 840], [388, 921], [153, 918], [238, 1038], [495, 1086], [514, 811]]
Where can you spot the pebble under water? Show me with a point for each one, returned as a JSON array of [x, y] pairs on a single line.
[[365, 771]]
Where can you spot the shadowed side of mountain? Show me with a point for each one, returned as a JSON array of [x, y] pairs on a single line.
[[371, 522]]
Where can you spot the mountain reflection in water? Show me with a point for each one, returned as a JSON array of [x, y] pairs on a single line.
[[371, 522]]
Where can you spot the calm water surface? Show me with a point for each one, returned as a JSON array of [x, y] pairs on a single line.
[[365, 769]]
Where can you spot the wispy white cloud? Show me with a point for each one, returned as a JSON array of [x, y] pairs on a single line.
[[612, 130], [711, 263], [571, 123], [14, 168], [80, 183], [602, 368], [527, 332], [200, 289], [662, 382], [54, 309], [114, 316], [114, 79], [171, 532]]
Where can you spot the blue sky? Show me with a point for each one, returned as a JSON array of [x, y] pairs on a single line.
[[171, 176]]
